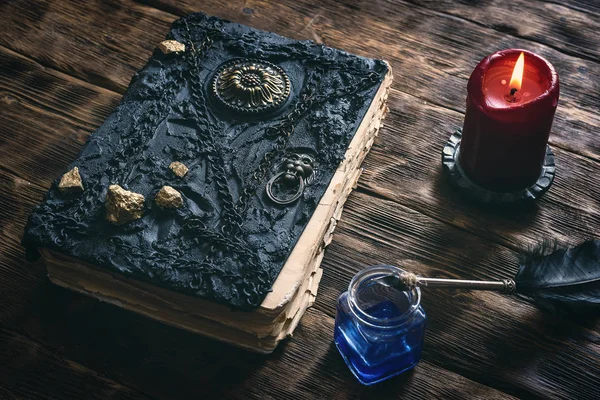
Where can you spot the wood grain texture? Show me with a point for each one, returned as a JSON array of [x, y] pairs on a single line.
[[383, 233], [101, 42], [46, 115], [559, 26], [438, 48], [62, 67], [27, 369]]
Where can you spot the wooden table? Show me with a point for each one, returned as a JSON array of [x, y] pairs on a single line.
[[65, 66]]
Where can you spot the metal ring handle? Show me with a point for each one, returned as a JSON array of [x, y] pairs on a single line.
[[287, 201]]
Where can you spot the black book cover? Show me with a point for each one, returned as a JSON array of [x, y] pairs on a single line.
[[239, 108]]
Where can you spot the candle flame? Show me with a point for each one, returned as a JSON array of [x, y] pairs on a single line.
[[517, 76]]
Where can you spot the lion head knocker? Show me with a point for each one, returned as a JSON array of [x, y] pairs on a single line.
[[297, 171]]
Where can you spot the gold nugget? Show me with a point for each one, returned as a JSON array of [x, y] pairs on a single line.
[[178, 168], [123, 206], [168, 197], [171, 46]]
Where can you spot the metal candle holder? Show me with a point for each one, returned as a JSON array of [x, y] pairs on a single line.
[[459, 178]]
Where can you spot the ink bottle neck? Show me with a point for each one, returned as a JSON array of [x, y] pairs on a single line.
[[377, 306]]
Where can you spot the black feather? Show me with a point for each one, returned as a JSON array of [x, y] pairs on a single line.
[[566, 280]]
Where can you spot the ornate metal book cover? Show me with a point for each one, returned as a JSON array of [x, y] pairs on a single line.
[[205, 176]]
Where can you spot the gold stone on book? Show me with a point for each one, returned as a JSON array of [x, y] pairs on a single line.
[[167, 197], [251, 86], [123, 206], [178, 168], [171, 46]]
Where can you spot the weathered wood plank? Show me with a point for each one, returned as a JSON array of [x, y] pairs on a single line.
[[373, 231], [323, 372], [21, 190], [8, 394], [566, 29], [46, 115], [131, 348], [577, 16], [432, 53], [29, 371], [403, 165], [103, 42], [586, 6]]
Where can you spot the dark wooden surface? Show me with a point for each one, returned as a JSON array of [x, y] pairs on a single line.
[[65, 65]]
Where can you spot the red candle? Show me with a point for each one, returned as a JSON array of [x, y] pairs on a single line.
[[510, 108]]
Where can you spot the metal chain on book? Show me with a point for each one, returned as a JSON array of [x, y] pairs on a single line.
[[281, 133], [142, 130], [253, 289], [231, 236], [207, 136]]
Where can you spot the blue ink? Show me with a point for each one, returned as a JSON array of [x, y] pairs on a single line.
[[379, 330]]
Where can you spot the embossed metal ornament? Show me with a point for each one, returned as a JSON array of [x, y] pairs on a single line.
[[251, 86], [298, 169]]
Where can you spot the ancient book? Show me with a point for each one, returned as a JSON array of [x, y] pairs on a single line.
[[206, 198]]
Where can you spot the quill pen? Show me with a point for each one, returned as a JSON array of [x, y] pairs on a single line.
[[564, 280]]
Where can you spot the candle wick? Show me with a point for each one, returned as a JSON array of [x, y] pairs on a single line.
[[511, 96]]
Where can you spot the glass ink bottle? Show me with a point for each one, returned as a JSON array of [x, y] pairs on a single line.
[[379, 330]]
